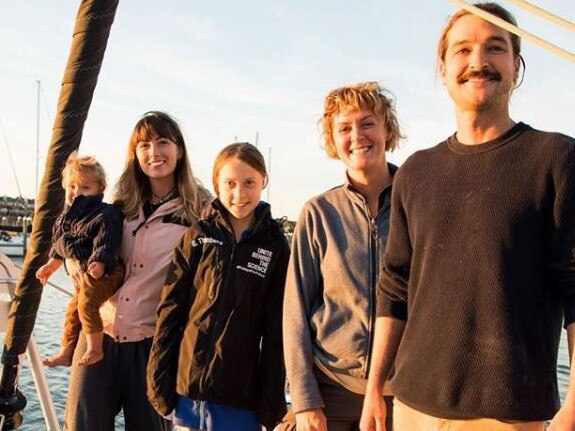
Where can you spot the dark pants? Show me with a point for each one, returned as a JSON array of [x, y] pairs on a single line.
[[98, 392], [83, 311], [343, 407]]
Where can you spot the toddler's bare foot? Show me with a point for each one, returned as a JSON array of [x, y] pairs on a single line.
[[90, 357], [62, 358]]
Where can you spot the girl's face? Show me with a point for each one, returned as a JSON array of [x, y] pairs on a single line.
[[158, 158], [240, 187]]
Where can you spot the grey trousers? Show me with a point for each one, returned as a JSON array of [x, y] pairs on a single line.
[[98, 392]]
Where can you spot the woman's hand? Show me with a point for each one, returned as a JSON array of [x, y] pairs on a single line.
[[311, 420], [75, 272], [207, 210]]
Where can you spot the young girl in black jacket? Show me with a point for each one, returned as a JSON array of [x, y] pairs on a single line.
[[216, 358]]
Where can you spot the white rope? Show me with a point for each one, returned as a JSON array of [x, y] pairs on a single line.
[[555, 19], [515, 30]]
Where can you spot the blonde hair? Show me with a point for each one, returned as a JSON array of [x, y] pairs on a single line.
[[133, 188], [363, 95], [84, 167], [243, 151]]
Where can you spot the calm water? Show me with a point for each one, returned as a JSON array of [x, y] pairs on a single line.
[[47, 333]]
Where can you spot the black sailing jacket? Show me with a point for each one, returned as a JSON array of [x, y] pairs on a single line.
[[218, 336]]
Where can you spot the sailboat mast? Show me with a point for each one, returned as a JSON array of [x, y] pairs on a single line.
[[37, 135], [90, 36], [269, 172]]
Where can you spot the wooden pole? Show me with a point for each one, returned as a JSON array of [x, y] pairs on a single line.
[[514, 29]]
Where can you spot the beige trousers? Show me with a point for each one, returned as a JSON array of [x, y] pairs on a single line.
[[407, 419]]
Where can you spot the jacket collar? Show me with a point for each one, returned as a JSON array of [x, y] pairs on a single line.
[[166, 208], [262, 212], [81, 202], [357, 196]]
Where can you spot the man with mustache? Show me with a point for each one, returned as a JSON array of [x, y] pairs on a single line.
[[479, 270]]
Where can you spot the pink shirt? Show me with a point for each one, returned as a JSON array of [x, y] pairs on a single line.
[[130, 315]]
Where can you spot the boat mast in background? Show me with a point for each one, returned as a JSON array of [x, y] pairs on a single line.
[[93, 23], [37, 135]]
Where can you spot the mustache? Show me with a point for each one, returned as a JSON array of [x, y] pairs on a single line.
[[481, 73]]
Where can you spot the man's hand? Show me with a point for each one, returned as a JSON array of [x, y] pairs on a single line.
[[373, 413], [311, 420], [564, 420], [96, 269]]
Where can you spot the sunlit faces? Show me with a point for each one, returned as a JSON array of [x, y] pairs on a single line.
[[479, 69], [359, 137], [239, 189], [158, 157], [81, 186]]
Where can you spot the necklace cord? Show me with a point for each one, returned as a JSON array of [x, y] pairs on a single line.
[[163, 198]]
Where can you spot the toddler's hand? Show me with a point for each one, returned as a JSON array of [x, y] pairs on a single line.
[[96, 269], [43, 274]]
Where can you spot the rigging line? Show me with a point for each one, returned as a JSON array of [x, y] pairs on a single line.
[[555, 19], [47, 113], [46, 109], [10, 158], [39, 85], [515, 30]]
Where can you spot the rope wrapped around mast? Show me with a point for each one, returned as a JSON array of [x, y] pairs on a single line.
[[93, 23]]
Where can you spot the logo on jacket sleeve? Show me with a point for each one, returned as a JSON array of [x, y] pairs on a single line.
[[258, 262], [206, 240]]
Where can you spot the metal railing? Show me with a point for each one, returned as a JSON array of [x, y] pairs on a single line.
[[8, 281]]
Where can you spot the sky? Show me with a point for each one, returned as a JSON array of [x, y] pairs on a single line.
[[257, 71]]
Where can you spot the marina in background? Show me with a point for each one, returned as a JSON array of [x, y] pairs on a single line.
[[15, 224]]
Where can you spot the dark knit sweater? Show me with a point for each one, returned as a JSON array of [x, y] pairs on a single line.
[[480, 261], [89, 231]]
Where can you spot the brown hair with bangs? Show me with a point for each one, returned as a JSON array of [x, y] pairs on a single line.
[[363, 95], [243, 151], [134, 189]]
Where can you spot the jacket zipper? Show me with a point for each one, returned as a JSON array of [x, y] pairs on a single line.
[[373, 244], [212, 297]]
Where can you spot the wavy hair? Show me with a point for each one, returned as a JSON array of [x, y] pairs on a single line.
[[84, 167], [363, 95]]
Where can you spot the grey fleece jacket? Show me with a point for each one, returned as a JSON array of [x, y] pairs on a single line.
[[329, 302]]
